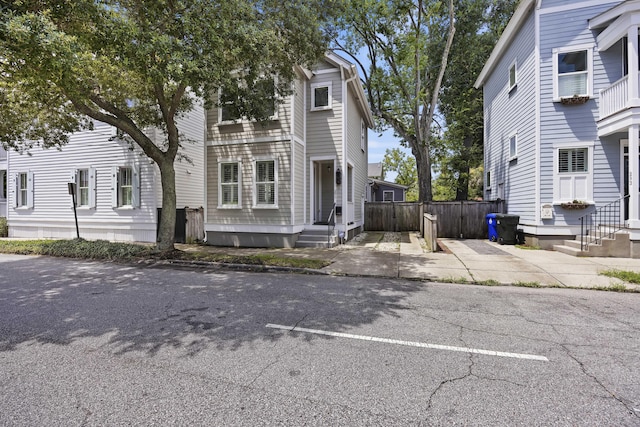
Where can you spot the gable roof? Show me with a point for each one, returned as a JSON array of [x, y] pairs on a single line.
[[515, 23], [387, 183]]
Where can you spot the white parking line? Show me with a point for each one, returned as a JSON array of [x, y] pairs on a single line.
[[409, 343]]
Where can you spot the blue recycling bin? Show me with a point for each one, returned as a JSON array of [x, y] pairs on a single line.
[[492, 224]]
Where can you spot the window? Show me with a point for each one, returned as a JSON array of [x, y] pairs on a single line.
[[513, 146], [126, 187], [3, 185], [349, 183], [572, 71], [387, 196], [363, 135], [3, 153], [573, 179], [265, 183], [573, 160], [488, 180], [320, 96], [229, 188], [264, 90], [24, 190], [513, 77], [85, 180]]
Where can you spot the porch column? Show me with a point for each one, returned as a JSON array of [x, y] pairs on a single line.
[[634, 176], [632, 60]]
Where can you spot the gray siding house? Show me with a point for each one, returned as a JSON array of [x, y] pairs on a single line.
[[562, 117], [268, 185]]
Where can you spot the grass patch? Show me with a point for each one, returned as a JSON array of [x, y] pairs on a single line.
[[528, 284], [104, 250], [460, 280], [624, 275], [489, 282]]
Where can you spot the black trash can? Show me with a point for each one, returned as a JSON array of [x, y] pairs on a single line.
[[507, 226]]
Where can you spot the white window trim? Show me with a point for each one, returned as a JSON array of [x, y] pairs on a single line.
[[350, 181], [576, 48], [239, 204], [393, 195], [243, 119], [363, 135], [513, 156], [75, 178], [589, 145], [514, 66], [314, 86], [4, 178], [135, 187], [29, 191], [255, 183]]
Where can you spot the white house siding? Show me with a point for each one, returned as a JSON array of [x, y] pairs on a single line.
[[324, 130], [299, 103], [358, 157], [513, 112], [298, 183], [574, 124], [52, 213], [247, 215]]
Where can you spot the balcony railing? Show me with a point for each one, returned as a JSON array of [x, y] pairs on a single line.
[[615, 98]]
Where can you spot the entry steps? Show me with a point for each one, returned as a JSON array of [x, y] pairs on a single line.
[[316, 239], [619, 246]]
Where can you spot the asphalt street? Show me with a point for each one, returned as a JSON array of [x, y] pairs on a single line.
[[89, 343]]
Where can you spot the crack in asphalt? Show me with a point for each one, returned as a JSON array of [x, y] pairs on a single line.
[[627, 406]]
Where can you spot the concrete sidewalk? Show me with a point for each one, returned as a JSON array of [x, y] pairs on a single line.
[[475, 261]]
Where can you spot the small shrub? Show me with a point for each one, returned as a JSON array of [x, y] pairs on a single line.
[[4, 227]]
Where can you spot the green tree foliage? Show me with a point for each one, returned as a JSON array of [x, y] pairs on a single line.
[[395, 160], [407, 46], [136, 64], [460, 150]]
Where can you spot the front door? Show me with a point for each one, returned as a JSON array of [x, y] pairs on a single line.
[[625, 177], [323, 191]]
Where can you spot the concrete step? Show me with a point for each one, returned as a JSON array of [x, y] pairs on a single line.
[[569, 250], [315, 239], [313, 244]]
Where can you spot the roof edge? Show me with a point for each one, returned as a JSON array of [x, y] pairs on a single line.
[[509, 33]]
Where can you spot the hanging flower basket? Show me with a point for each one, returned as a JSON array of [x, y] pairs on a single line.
[[574, 100], [576, 204]]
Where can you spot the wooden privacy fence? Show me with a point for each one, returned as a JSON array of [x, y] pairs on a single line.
[[392, 216], [462, 219]]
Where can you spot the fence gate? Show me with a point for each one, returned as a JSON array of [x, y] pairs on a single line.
[[392, 216]]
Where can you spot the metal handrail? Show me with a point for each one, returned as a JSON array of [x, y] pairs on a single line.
[[331, 224], [602, 223]]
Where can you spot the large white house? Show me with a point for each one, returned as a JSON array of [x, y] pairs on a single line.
[[562, 120]]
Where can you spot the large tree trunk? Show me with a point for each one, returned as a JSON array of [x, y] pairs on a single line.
[[423, 163], [167, 229]]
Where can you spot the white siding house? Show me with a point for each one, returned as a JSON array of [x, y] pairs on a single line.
[[268, 184], [562, 118], [117, 186]]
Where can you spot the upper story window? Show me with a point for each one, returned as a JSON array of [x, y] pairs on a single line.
[[264, 94], [572, 72], [3, 185], [363, 135], [3, 153], [321, 96], [513, 76]]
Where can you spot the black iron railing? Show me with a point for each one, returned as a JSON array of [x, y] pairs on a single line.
[[602, 223]]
